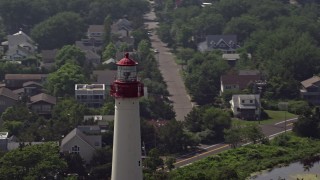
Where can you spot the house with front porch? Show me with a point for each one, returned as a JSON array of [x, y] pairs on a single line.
[[42, 104], [246, 106]]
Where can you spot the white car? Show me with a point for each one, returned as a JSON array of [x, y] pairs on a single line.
[[155, 51]]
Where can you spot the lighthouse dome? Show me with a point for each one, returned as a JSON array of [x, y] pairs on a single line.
[[126, 61]]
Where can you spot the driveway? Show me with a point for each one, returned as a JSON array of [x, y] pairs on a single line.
[[170, 71]]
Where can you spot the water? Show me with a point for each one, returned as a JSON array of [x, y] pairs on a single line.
[[308, 169]]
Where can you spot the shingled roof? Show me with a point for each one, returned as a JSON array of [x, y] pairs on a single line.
[[242, 80], [43, 97], [310, 82], [8, 93]]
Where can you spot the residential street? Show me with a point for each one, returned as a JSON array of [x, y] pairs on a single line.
[[170, 71]]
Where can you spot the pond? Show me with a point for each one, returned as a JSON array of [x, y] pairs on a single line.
[[307, 169]]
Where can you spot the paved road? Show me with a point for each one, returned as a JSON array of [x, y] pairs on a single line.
[[270, 130], [170, 71]]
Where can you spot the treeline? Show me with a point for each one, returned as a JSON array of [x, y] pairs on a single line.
[[59, 20]]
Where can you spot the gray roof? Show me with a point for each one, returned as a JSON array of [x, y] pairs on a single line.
[[90, 129], [8, 93], [96, 28], [211, 40], [31, 83], [48, 56], [89, 139], [104, 76], [249, 72], [217, 38], [239, 97]]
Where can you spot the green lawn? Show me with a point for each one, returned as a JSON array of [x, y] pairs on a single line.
[[275, 116]]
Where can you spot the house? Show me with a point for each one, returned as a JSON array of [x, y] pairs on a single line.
[[82, 141], [238, 81], [90, 50], [48, 58], [122, 28], [232, 59], [103, 76], [93, 95], [224, 43], [310, 90], [19, 46], [246, 106], [15, 81], [7, 99], [42, 104], [95, 33], [29, 88]]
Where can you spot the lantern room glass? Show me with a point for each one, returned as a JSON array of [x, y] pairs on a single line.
[[127, 73]]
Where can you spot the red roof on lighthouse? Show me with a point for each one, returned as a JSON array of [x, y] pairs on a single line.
[[126, 61]]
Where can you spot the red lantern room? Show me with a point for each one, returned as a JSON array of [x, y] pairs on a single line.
[[126, 84]]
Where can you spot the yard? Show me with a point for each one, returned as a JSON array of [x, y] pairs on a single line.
[[274, 117]]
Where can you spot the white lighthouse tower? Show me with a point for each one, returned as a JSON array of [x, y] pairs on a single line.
[[126, 89]]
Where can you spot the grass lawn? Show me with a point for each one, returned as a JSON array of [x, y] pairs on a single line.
[[274, 117]]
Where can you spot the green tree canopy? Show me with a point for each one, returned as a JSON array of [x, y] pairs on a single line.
[[109, 52], [61, 29], [62, 82], [70, 54], [32, 162]]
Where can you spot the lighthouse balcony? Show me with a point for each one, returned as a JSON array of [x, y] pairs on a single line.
[[126, 90]]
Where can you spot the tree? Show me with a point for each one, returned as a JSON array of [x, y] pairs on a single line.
[[153, 160], [144, 48], [70, 112], [193, 121], [172, 138], [75, 164], [107, 29], [32, 162], [170, 162], [61, 83], [234, 136], [242, 26], [109, 52], [253, 133], [101, 163], [308, 124], [70, 54], [58, 30], [216, 120]]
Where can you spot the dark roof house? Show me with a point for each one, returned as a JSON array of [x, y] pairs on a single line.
[[225, 43], [42, 104], [7, 98]]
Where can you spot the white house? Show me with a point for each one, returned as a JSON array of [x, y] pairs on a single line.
[[246, 106], [19, 46], [92, 95]]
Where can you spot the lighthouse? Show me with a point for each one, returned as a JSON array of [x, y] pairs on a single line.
[[126, 89]]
